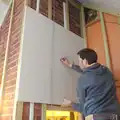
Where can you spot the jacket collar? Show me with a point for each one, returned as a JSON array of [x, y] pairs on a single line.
[[94, 66]]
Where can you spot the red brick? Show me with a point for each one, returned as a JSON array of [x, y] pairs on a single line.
[[32, 4], [11, 89], [74, 19], [11, 70], [10, 83], [44, 7], [25, 118], [3, 41], [6, 117], [26, 108], [14, 73], [7, 110], [11, 65], [37, 109], [11, 78], [15, 46], [8, 103], [9, 96], [57, 11]]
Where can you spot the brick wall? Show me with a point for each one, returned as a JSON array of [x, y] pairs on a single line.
[[57, 11], [32, 4], [44, 7], [3, 40], [74, 19], [26, 109], [37, 111], [12, 63]]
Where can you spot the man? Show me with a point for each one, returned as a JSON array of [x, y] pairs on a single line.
[[96, 91]]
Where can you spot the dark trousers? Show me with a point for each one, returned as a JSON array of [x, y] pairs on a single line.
[[106, 117]]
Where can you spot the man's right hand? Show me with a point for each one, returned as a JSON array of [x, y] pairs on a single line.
[[66, 103], [66, 62]]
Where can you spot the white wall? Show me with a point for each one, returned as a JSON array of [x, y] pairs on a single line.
[[43, 79], [3, 11]]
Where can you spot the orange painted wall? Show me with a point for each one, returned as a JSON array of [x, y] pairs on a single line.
[[113, 35], [95, 40]]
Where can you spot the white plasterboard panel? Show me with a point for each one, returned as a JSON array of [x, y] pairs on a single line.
[[64, 81], [42, 75], [36, 58]]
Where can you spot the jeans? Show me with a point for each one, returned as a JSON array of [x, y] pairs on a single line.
[[103, 117], [106, 117]]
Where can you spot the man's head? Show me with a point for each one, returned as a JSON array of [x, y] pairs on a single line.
[[87, 57]]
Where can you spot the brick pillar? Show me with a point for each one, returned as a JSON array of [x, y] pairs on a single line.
[[8, 96], [4, 30]]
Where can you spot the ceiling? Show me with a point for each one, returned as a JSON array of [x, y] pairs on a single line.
[[107, 5]]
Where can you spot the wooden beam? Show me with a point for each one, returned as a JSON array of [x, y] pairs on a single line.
[[58, 107], [19, 111], [31, 113], [28, 3], [107, 55], [43, 117], [37, 6], [83, 28], [119, 19], [75, 4], [64, 11], [66, 15], [97, 8], [50, 9], [6, 56]]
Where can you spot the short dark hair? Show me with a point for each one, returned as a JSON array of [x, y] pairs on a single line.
[[88, 54]]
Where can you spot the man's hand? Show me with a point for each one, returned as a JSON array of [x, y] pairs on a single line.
[[66, 103], [66, 62]]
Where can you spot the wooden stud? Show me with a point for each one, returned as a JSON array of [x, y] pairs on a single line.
[[66, 14], [72, 116], [58, 107], [50, 9], [31, 113], [119, 19], [19, 111], [38, 5], [65, 19], [83, 28], [107, 55], [43, 117]]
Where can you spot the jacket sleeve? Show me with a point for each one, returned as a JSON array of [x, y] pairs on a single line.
[[78, 107], [80, 100], [77, 68]]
